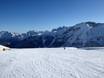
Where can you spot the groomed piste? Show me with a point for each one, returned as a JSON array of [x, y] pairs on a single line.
[[52, 63]]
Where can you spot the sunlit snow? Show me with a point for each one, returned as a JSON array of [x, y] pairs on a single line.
[[52, 63]]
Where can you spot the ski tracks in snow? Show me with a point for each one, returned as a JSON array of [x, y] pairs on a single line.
[[52, 63]]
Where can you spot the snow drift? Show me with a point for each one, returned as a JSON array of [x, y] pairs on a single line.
[[3, 48]]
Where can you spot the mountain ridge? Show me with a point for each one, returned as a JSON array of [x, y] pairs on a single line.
[[85, 34]]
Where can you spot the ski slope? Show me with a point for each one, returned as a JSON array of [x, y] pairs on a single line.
[[52, 63]]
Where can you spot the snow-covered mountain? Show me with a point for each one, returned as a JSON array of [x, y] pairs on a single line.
[[86, 34], [80, 35]]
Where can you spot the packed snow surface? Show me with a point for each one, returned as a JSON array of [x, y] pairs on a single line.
[[3, 46], [52, 63]]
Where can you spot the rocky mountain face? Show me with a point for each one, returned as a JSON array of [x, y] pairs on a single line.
[[86, 34]]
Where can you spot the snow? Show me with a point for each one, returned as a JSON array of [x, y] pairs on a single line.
[[3, 47], [89, 26], [52, 63], [86, 33]]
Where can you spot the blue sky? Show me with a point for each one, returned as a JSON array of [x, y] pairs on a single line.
[[24, 15]]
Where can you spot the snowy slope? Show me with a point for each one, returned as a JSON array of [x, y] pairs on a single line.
[[52, 63], [1, 47], [86, 34]]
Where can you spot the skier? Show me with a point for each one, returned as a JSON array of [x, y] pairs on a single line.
[[64, 48]]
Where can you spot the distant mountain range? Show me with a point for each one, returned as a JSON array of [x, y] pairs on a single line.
[[85, 34]]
